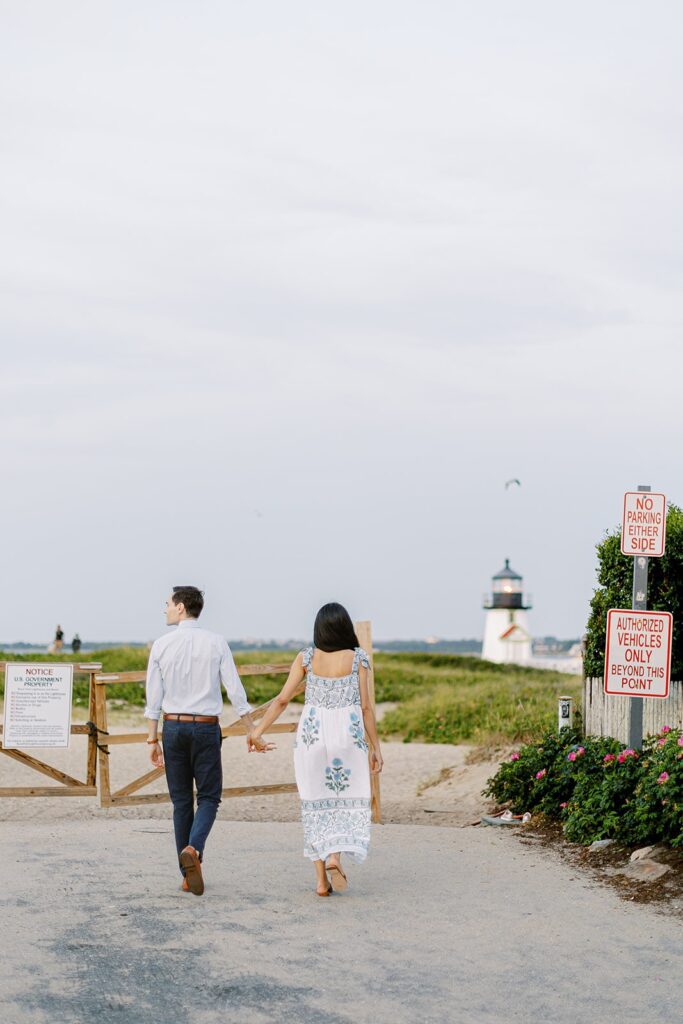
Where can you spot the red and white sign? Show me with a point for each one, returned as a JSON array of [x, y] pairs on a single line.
[[643, 527], [638, 653]]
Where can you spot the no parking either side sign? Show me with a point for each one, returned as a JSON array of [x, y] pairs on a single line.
[[638, 653]]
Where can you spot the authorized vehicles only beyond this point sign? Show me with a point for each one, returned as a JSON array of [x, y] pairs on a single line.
[[638, 653]]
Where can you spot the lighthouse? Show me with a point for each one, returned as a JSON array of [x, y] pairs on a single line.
[[506, 636]]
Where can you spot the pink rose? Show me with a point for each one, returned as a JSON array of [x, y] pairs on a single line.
[[581, 751], [664, 777], [564, 805], [514, 756], [621, 758], [680, 741], [571, 756], [608, 758], [665, 729], [660, 743], [541, 774]]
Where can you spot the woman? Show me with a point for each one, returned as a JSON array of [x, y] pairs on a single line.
[[331, 751]]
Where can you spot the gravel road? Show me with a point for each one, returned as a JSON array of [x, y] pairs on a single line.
[[440, 925]]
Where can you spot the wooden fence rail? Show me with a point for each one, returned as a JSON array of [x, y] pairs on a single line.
[[69, 786], [607, 715]]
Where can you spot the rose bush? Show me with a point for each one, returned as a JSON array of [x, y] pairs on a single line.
[[599, 789], [542, 776]]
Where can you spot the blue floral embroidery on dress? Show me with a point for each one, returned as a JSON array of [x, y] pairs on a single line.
[[338, 823], [310, 729], [337, 776], [357, 732], [332, 693]]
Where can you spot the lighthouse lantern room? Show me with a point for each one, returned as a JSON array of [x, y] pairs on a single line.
[[506, 635]]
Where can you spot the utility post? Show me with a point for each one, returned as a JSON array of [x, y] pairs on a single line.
[[638, 604]]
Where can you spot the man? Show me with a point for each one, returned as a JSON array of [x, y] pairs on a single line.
[[184, 676]]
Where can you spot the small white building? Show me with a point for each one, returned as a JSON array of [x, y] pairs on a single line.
[[506, 634]]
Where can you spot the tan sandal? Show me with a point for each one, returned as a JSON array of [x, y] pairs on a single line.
[[341, 882]]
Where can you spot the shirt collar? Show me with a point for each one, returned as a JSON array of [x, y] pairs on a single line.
[[188, 624]]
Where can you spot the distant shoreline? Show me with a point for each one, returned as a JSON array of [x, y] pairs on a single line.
[[550, 647]]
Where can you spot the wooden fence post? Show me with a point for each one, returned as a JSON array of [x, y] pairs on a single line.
[[103, 750], [364, 634], [91, 763]]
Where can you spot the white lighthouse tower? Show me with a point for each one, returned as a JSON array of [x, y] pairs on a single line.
[[506, 636]]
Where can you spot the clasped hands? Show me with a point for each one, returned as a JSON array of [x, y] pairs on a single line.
[[257, 745]]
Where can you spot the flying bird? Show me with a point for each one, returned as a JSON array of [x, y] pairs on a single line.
[[513, 481]]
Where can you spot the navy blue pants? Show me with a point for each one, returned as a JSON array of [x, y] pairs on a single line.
[[192, 754]]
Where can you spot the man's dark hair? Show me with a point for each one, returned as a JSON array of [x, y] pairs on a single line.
[[192, 598], [333, 629]]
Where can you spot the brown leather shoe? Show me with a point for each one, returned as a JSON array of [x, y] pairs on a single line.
[[189, 860]]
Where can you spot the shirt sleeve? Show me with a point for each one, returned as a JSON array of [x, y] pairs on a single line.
[[155, 686], [232, 683]]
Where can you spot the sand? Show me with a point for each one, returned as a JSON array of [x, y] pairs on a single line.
[[410, 786]]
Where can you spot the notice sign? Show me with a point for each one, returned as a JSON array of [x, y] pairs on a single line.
[[643, 528], [37, 706], [638, 653]]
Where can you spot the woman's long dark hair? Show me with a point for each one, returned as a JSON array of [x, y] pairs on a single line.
[[333, 629]]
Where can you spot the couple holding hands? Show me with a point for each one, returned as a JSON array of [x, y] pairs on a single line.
[[186, 670]]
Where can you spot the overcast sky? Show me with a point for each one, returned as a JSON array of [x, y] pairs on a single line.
[[290, 290]]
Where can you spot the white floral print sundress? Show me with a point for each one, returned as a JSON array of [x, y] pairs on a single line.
[[331, 764]]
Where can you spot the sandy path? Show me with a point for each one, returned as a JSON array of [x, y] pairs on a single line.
[[440, 925], [408, 767]]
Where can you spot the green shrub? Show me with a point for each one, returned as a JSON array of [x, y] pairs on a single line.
[[542, 776], [598, 789], [601, 806], [658, 807]]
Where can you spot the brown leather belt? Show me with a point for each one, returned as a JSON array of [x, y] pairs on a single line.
[[190, 718]]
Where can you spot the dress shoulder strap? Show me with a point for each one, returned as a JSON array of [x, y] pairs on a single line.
[[307, 657], [360, 657]]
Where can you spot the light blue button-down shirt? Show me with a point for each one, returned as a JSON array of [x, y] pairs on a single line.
[[185, 672]]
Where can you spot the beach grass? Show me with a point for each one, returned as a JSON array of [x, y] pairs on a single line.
[[439, 698], [134, 659], [456, 699]]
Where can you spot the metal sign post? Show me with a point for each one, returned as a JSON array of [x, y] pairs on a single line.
[[638, 604]]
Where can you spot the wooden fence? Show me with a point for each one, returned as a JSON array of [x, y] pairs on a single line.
[[69, 786], [129, 794], [607, 715]]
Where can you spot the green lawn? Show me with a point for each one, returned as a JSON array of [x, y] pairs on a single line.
[[440, 698]]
